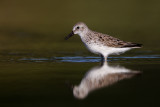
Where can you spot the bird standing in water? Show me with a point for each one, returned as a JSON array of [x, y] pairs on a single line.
[[100, 43]]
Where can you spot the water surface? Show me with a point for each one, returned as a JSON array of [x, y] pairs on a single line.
[[32, 79]]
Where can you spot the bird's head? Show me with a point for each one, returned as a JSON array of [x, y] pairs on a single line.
[[80, 28]]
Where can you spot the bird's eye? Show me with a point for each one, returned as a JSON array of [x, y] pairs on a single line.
[[78, 27]]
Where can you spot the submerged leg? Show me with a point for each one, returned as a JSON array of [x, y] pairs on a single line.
[[102, 60]]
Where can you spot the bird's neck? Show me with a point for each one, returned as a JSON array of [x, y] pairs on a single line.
[[84, 34]]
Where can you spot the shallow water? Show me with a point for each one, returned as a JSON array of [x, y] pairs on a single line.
[[46, 80]]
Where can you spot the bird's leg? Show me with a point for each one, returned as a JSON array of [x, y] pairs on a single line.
[[102, 60], [105, 58]]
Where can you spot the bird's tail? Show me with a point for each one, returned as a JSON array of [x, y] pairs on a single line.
[[133, 45]]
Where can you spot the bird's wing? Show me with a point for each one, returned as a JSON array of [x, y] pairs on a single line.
[[115, 42]]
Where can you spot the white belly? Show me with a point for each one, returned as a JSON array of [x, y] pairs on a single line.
[[104, 50]]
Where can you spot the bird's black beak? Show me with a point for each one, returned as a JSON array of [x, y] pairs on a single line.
[[71, 34]]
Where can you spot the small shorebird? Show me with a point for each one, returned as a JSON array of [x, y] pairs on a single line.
[[99, 43]]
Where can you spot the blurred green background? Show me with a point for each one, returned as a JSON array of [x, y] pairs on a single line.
[[43, 24]]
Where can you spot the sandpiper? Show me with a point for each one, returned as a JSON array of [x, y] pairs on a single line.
[[100, 43]]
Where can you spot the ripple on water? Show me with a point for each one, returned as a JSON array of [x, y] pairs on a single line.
[[88, 58]]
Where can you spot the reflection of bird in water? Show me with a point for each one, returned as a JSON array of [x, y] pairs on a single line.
[[100, 77]]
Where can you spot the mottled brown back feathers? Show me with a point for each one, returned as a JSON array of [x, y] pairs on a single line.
[[111, 41]]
